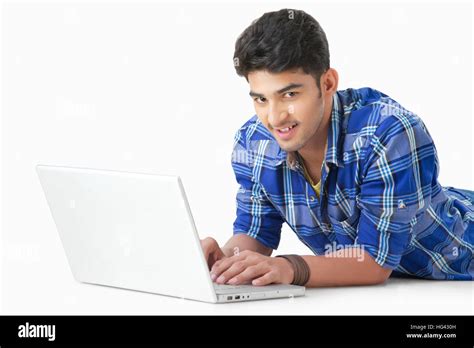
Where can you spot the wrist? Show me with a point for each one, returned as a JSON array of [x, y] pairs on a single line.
[[288, 271], [300, 267]]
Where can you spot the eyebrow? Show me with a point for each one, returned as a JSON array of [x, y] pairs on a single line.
[[284, 89]]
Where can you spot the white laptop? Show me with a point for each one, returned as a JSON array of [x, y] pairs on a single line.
[[135, 231]]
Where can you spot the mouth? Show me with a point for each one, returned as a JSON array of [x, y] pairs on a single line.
[[286, 133]]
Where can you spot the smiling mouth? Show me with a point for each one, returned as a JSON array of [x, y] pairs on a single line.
[[285, 130], [286, 133]]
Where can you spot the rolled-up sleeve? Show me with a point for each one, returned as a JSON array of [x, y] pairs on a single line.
[[401, 167], [256, 216]]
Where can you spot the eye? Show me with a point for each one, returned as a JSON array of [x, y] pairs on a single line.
[[294, 94], [259, 100]]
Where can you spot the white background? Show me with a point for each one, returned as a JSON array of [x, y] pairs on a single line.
[[151, 87]]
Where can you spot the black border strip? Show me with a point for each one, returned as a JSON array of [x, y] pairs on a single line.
[[230, 330]]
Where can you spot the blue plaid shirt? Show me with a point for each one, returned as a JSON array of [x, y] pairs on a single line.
[[379, 191]]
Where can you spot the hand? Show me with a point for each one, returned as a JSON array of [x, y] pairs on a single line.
[[212, 251], [249, 266]]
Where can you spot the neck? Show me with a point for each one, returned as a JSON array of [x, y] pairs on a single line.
[[314, 150]]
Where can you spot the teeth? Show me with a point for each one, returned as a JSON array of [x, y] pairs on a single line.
[[287, 129]]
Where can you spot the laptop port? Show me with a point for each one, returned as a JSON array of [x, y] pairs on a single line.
[[229, 298], [237, 297]]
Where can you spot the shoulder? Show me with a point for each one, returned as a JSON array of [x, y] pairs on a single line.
[[252, 130], [253, 139], [369, 112]]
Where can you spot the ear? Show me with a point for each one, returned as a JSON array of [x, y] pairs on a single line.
[[329, 82]]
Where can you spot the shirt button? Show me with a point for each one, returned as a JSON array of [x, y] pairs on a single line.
[[401, 204], [311, 198]]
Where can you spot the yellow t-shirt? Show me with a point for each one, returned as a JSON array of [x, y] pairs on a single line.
[[317, 186]]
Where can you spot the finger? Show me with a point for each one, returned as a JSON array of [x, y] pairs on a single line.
[[206, 249], [223, 264], [246, 254], [211, 250], [248, 274], [215, 256], [236, 268], [266, 279]]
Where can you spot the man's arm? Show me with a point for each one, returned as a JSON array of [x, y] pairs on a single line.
[[337, 269], [240, 242]]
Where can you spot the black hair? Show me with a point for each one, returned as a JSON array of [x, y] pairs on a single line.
[[282, 40]]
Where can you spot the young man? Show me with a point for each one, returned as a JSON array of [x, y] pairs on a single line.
[[352, 172]]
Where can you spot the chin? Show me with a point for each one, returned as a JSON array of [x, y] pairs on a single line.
[[290, 147]]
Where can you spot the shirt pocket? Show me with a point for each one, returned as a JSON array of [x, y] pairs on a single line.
[[346, 212], [347, 226]]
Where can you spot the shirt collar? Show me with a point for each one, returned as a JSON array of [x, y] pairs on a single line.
[[333, 153]]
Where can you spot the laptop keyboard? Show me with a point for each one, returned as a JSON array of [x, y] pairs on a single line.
[[232, 287]]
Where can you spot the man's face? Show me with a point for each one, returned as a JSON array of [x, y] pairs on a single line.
[[288, 104]]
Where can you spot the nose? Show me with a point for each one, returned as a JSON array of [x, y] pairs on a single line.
[[277, 117]]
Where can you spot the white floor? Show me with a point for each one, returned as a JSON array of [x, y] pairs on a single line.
[[396, 297]]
